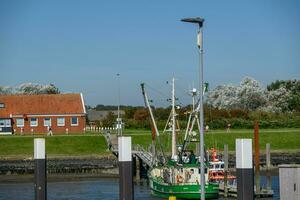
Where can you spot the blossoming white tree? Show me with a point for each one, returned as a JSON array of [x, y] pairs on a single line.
[[30, 88], [250, 95]]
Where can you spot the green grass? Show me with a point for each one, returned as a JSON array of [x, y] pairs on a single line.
[[22, 146], [93, 144]]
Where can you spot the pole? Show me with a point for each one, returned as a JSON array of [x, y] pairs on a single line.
[[200, 22], [173, 121], [125, 168], [40, 176], [268, 165], [200, 46], [119, 125], [244, 169], [256, 139]]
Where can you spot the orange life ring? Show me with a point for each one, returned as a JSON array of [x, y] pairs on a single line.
[[179, 178]]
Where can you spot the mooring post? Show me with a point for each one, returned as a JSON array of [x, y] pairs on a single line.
[[268, 166], [244, 169], [225, 169], [40, 176], [137, 167], [125, 168], [256, 144]]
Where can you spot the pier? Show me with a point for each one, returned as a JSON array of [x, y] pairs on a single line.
[[137, 150]]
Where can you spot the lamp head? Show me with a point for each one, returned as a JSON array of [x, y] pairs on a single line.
[[196, 20]]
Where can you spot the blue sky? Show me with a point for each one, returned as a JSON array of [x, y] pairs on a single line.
[[80, 46]]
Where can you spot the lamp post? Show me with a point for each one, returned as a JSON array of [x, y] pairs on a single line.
[[200, 22], [119, 120]]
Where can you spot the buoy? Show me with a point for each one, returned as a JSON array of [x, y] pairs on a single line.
[[172, 198]]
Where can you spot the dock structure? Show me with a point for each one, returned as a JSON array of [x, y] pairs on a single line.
[[232, 191], [137, 150]]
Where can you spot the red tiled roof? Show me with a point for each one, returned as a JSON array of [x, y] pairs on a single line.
[[43, 104]]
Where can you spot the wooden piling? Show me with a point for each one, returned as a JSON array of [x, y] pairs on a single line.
[[244, 169], [256, 144], [268, 156], [268, 166], [40, 169], [137, 167], [125, 168]]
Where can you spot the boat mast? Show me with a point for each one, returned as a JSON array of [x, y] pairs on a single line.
[[189, 127], [153, 126], [174, 149]]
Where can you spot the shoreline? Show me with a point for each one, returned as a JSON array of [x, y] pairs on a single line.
[[68, 177], [107, 165]]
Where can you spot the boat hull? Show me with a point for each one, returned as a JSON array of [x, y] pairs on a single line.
[[182, 191]]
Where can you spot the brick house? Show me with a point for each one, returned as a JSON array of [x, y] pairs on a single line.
[[64, 113]]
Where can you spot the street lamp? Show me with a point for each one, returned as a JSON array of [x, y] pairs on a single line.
[[119, 120], [200, 22]]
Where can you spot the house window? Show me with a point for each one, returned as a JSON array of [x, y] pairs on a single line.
[[5, 123], [61, 121], [47, 121], [2, 122], [74, 121], [33, 122], [20, 122], [2, 105]]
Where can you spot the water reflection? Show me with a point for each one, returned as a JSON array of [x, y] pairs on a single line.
[[98, 188]]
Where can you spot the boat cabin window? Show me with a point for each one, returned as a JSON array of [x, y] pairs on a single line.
[[222, 166], [205, 170], [217, 166]]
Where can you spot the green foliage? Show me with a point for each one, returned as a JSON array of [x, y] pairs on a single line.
[[109, 120], [293, 87], [114, 107]]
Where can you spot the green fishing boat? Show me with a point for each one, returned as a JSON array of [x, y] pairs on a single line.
[[182, 181], [178, 175]]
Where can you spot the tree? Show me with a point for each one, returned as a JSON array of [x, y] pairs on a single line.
[[224, 97], [109, 120], [285, 94], [30, 88], [51, 89], [140, 114], [6, 90], [251, 95]]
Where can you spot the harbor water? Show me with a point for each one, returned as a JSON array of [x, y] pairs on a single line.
[[88, 188]]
